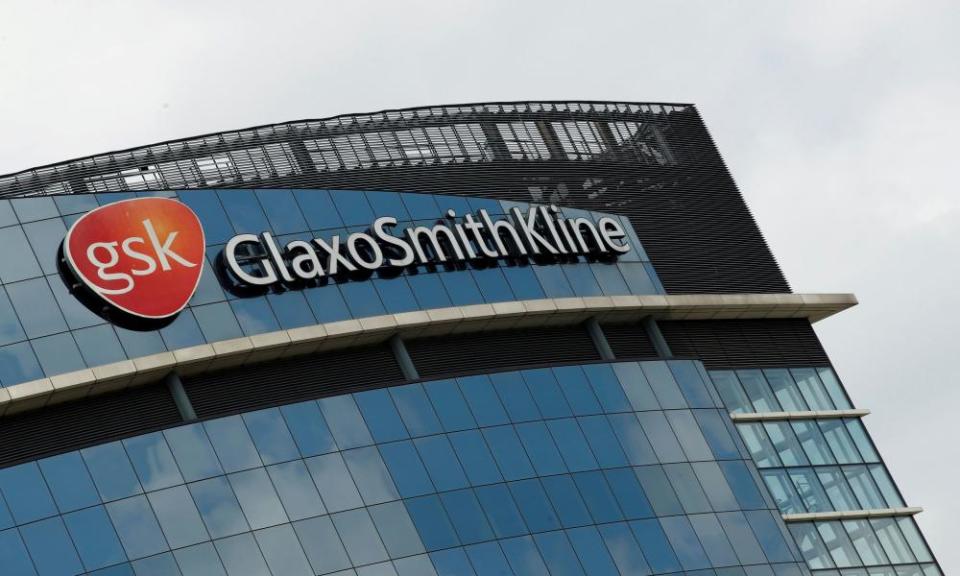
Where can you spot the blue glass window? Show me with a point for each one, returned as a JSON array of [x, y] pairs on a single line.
[[396, 295], [345, 422], [508, 452], [296, 489], [523, 282], [606, 386], [577, 391], [624, 549], [432, 522], [628, 492], [10, 329], [241, 556], [193, 452], [658, 489], [18, 260], [26, 493], [429, 290], [558, 554], [661, 437], [603, 442], [592, 552], [493, 284], [634, 442], [715, 543], [99, 345], [600, 500], [541, 448], [258, 499], [308, 428], [635, 384], [536, 509], [111, 471], [13, 554], [406, 468], [137, 527], [45, 237], [291, 309], [656, 549], [18, 364], [216, 226], [327, 303], [36, 307], [515, 396], [370, 475], [324, 550], [524, 557], [381, 415], [95, 539], [178, 516], [353, 207], [769, 535], [450, 406], [416, 410], [232, 444], [334, 482], [573, 446], [441, 463], [283, 552], [254, 316], [199, 560], [218, 507], [71, 485], [467, 517], [50, 546], [396, 529], [153, 461], [270, 436], [477, 461], [501, 511], [282, 211], [546, 393], [566, 500], [217, 322], [483, 400], [452, 563]]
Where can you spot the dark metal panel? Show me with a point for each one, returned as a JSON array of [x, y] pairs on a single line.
[[291, 380], [629, 341], [663, 171], [489, 351], [96, 420], [775, 343]]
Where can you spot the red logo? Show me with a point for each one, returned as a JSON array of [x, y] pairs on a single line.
[[143, 256]]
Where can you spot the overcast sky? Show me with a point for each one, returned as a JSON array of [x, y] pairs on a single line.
[[837, 120]]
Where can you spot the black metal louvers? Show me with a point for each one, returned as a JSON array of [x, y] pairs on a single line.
[[64, 427], [290, 380], [775, 343], [629, 341], [489, 351], [655, 163]]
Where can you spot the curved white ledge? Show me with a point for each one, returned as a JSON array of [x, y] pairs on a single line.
[[799, 415], [852, 514], [475, 318]]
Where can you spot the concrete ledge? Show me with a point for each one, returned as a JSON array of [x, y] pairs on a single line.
[[851, 514], [804, 415], [437, 322]]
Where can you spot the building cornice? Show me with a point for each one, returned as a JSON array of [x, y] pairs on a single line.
[[76, 385]]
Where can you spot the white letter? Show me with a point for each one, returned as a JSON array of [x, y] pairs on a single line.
[[163, 251], [230, 252], [352, 241], [151, 265], [111, 249], [612, 230], [379, 228], [309, 257]]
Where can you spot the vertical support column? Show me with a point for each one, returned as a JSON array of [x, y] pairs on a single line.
[[599, 339], [403, 358], [302, 156], [180, 398], [495, 141], [656, 337], [551, 140]]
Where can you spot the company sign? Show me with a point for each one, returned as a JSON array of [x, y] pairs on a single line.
[[144, 256], [540, 232]]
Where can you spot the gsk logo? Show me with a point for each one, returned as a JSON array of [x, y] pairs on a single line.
[[143, 256]]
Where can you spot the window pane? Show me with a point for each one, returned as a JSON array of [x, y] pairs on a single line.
[[501, 511], [370, 475], [334, 482], [283, 552], [218, 507], [734, 398], [812, 389], [193, 452], [111, 471], [467, 518], [26, 493], [324, 549], [153, 461], [71, 485], [396, 529], [137, 527], [786, 391], [241, 556], [95, 539], [178, 517], [50, 547], [308, 428], [759, 393], [271, 436], [296, 490]]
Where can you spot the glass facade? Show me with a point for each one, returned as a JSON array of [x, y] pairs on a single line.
[[45, 330], [824, 465], [606, 468]]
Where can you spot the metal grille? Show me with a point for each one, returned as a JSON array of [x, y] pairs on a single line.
[[781, 343], [655, 163], [490, 351]]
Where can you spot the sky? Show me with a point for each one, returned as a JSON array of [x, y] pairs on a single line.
[[835, 118]]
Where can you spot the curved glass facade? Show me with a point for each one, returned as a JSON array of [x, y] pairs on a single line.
[[45, 330], [606, 468]]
